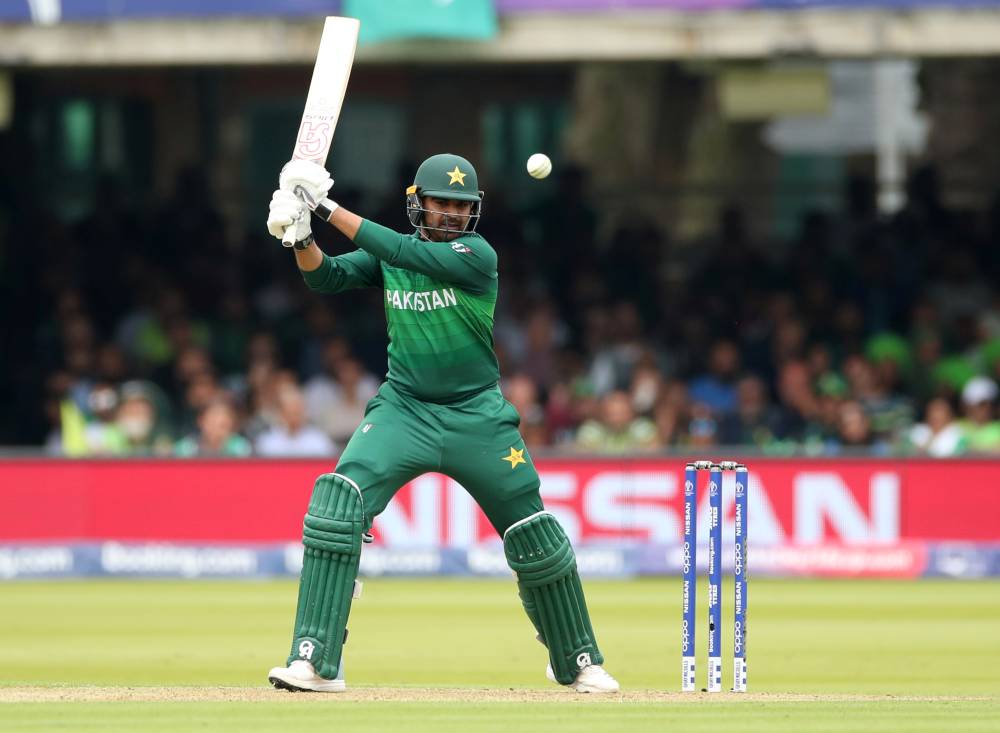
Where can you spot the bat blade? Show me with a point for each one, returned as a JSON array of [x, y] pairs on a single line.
[[326, 94]]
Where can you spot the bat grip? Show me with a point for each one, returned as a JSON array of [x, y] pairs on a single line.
[[288, 238]]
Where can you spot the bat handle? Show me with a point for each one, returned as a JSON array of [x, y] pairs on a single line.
[[288, 238]]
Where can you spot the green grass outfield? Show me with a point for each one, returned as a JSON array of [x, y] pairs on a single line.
[[438, 655]]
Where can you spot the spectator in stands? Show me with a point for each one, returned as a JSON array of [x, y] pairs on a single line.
[[980, 427], [149, 334], [819, 361], [137, 421], [343, 411], [620, 348], [892, 359], [103, 435], [293, 435], [703, 427], [262, 347], [991, 358], [889, 413], [200, 391], [716, 388], [849, 328], [951, 373], [543, 334], [217, 436], [989, 321], [798, 397], [231, 331], [754, 422], [77, 346], [321, 390], [617, 430], [263, 406], [56, 393], [522, 392], [855, 430], [671, 413], [110, 364], [788, 341], [926, 354], [647, 385], [571, 399], [820, 434], [939, 435], [320, 321], [579, 326], [83, 431], [176, 376]]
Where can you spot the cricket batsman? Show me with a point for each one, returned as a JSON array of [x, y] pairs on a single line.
[[439, 409]]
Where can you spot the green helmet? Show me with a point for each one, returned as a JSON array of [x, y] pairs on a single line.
[[444, 176]]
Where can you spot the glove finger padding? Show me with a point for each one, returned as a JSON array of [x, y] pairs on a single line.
[[287, 210], [311, 176]]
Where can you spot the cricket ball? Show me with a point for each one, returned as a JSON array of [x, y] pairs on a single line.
[[539, 165]]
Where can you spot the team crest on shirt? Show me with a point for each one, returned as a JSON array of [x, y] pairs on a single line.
[[459, 247]]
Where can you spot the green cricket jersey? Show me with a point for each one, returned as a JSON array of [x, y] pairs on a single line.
[[439, 302]]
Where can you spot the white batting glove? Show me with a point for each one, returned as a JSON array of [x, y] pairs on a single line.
[[288, 210], [313, 178]]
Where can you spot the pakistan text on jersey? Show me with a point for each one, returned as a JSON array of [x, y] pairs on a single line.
[[426, 301]]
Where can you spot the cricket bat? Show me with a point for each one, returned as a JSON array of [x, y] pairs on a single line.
[[326, 94]]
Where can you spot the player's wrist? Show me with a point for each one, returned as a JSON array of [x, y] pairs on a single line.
[[325, 208], [304, 243]]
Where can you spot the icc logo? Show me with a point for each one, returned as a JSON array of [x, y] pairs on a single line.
[[713, 488], [688, 488], [739, 488], [306, 649], [583, 660]]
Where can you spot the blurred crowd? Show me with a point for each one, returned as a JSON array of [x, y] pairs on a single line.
[[151, 333]]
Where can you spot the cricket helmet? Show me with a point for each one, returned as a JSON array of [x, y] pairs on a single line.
[[444, 176]]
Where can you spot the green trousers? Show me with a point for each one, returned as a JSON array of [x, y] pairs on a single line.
[[474, 441]]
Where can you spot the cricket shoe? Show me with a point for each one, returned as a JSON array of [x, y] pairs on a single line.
[[592, 678], [300, 676]]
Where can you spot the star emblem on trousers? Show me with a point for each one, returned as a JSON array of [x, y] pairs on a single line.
[[515, 457]]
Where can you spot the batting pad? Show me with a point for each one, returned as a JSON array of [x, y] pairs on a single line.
[[332, 539], [541, 556]]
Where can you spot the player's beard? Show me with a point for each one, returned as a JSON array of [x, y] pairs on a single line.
[[448, 229]]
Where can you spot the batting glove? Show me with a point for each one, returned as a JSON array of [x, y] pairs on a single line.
[[287, 210], [311, 177]]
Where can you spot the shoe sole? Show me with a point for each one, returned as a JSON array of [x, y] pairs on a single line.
[[587, 690], [329, 686], [582, 689]]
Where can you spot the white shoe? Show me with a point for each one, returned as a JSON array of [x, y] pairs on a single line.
[[592, 678], [300, 676]]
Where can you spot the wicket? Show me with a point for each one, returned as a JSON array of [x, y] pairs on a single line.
[[690, 575]]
